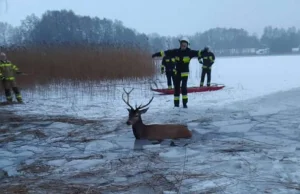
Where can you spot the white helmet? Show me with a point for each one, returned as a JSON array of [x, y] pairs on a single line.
[[3, 55], [185, 39]]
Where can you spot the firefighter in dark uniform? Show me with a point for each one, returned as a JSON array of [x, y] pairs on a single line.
[[168, 66], [7, 77], [208, 59], [183, 56]]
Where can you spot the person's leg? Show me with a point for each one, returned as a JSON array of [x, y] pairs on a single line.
[[169, 80], [173, 78], [177, 90], [16, 90], [184, 91], [208, 76], [202, 76], [7, 86]]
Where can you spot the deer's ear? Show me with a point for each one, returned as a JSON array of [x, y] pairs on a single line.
[[144, 110]]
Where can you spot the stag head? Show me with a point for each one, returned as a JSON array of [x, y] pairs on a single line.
[[134, 113]]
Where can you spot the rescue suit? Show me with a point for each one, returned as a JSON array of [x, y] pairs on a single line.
[[183, 58], [208, 59], [7, 76], [168, 66]]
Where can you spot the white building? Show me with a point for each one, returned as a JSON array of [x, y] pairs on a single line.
[[296, 50], [263, 51]]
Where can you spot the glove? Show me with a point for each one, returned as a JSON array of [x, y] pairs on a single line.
[[175, 71]]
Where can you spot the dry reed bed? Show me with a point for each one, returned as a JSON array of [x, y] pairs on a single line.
[[50, 64]]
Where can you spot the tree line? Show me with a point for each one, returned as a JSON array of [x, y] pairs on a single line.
[[65, 27]]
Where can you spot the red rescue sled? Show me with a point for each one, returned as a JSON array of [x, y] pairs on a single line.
[[190, 89]]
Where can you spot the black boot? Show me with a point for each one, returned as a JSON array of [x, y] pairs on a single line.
[[8, 95], [176, 101], [184, 101], [9, 99], [18, 94], [19, 99]]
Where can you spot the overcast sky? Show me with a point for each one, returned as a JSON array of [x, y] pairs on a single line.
[[169, 17]]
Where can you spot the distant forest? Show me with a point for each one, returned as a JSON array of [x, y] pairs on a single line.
[[65, 27]]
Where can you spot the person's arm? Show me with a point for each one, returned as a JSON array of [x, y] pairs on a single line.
[[15, 68], [200, 56], [195, 53], [169, 53], [1, 76], [163, 66], [212, 58]]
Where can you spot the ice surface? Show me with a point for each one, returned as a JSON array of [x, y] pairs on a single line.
[[246, 136], [99, 146]]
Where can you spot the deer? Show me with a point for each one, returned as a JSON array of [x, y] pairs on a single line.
[[157, 132]]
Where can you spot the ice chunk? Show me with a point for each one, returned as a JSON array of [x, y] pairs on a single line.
[[169, 192], [60, 162], [151, 146], [31, 148], [177, 153], [99, 146], [84, 164]]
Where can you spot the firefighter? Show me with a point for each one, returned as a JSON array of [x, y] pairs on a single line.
[[183, 56], [168, 66], [208, 59], [7, 76]]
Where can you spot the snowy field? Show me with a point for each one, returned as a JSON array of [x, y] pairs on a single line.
[[246, 136]]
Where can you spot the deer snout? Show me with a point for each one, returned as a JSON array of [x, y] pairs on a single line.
[[128, 123]]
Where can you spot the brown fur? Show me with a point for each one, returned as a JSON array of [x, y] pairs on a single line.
[[168, 131], [155, 131]]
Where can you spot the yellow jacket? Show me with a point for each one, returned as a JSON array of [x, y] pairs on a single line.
[[8, 70]]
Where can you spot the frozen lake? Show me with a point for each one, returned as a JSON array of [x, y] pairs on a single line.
[[246, 136]]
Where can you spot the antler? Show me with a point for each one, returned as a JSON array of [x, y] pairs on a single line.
[[127, 94], [143, 106]]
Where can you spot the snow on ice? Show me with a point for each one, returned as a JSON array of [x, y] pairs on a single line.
[[246, 136]]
